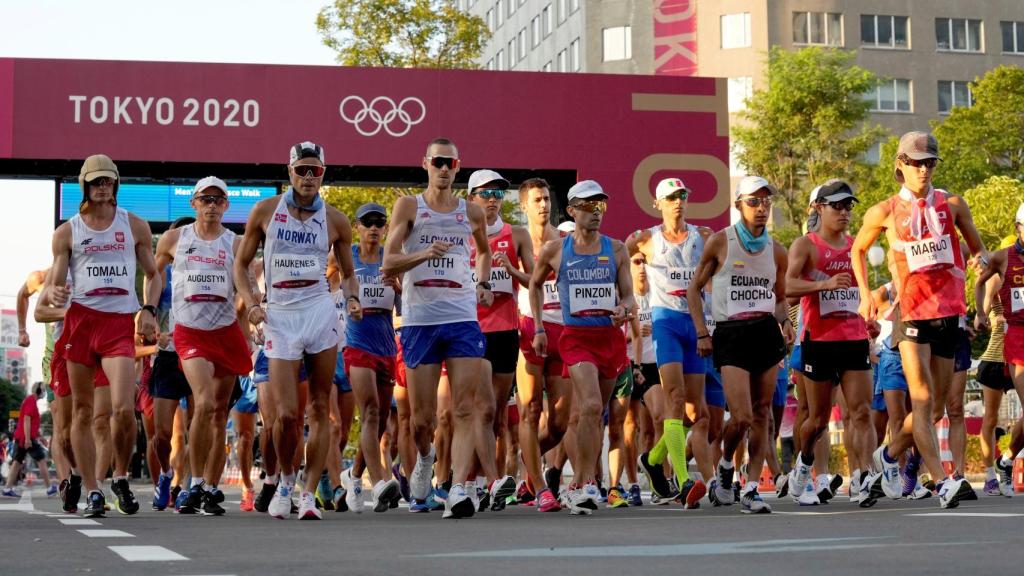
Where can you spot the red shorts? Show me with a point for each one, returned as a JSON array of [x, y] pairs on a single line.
[[143, 400], [1013, 345], [602, 346], [226, 348], [59, 373], [384, 366], [513, 414], [399, 365], [553, 363], [90, 335]]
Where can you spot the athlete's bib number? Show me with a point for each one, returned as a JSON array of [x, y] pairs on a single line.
[[709, 322], [592, 299], [676, 280], [749, 296], [922, 254], [448, 271], [376, 296], [207, 286], [106, 280], [833, 302], [501, 280], [295, 271], [1017, 298], [551, 299]]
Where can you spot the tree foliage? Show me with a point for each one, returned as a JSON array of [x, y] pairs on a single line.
[[402, 33], [11, 397], [809, 125], [993, 205]]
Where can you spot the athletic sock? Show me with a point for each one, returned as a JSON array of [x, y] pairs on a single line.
[[990, 473], [751, 486], [727, 464], [270, 479], [196, 482], [659, 451], [166, 473], [675, 438], [288, 480]]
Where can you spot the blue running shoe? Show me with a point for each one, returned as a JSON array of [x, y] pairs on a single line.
[[437, 498], [633, 497], [51, 491], [180, 500], [909, 474], [325, 493], [162, 492], [419, 507], [403, 482]]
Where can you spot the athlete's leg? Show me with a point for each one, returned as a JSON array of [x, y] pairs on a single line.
[[472, 434], [919, 367], [101, 420], [762, 389], [957, 429], [502, 387], [423, 402], [83, 442], [591, 393], [406, 444], [245, 430], [321, 368], [152, 462], [617, 455], [442, 433], [284, 384], [631, 436], [738, 386], [62, 418], [206, 433], [57, 450], [857, 390], [335, 448], [268, 414], [121, 373], [364, 389]]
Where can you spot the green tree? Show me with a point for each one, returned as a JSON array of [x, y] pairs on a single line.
[[993, 205], [402, 33], [809, 125], [986, 139]]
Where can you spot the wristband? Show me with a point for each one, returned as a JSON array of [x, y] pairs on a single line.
[[704, 336], [485, 285], [151, 309], [538, 330]]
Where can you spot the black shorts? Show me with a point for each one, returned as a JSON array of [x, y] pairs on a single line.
[[995, 375], [502, 351], [652, 378], [754, 345], [825, 361], [942, 333], [35, 449], [168, 381]]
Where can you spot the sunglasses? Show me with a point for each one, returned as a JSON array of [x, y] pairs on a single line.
[[309, 170], [638, 261], [489, 193], [378, 222], [443, 162], [208, 199], [102, 182], [927, 162], [590, 206], [677, 195], [842, 205], [756, 201]]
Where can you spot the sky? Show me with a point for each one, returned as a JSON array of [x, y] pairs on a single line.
[[233, 31]]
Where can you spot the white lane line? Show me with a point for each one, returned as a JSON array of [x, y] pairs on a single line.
[[61, 516], [79, 522], [146, 553], [106, 534], [17, 507], [970, 514]]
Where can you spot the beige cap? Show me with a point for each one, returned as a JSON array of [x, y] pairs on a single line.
[[97, 166]]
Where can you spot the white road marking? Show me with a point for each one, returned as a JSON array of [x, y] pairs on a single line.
[[146, 553], [969, 514], [107, 534], [79, 522]]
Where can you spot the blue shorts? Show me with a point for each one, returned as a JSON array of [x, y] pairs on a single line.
[[890, 372], [878, 399], [340, 378], [962, 356], [247, 403], [261, 369], [675, 340], [781, 384], [796, 357], [714, 394], [436, 343]]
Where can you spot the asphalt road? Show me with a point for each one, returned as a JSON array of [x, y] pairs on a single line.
[[839, 538]]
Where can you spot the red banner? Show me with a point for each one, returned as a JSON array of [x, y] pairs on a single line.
[[626, 132], [675, 37]]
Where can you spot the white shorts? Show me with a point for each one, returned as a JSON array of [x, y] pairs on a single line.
[[297, 329]]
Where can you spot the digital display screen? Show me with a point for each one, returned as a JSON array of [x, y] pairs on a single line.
[[166, 202]]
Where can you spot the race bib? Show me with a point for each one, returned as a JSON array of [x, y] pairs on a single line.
[[749, 296], [446, 271], [501, 280], [376, 297], [1017, 299], [592, 299], [677, 280], [709, 322], [294, 271], [106, 280], [923, 254], [207, 286], [836, 302], [551, 298]]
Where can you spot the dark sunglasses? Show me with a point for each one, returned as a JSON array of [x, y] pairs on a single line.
[[443, 162], [372, 222], [842, 205], [208, 199], [755, 201], [489, 193], [590, 206], [927, 162], [102, 182], [638, 261], [677, 195], [309, 170]]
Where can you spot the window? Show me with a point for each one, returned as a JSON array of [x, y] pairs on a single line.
[[499, 60], [1013, 37], [736, 30], [563, 10], [825, 28], [562, 66], [618, 43], [958, 34], [953, 93], [511, 5], [512, 53], [574, 5], [547, 66], [574, 56], [499, 14], [490, 64], [891, 96], [521, 43], [490, 19], [546, 20], [739, 90], [535, 31], [883, 31]]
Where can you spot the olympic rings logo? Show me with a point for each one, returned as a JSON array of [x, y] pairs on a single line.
[[382, 113]]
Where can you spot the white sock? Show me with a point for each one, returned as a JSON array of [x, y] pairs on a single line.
[[725, 464], [751, 486], [288, 480], [990, 473], [196, 482], [270, 479]]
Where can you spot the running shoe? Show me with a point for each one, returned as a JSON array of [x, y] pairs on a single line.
[[736, 489], [633, 497], [603, 492], [340, 500], [422, 474], [353, 491], [655, 477], [281, 504], [403, 482], [853, 490], [73, 494], [175, 490], [307, 507], [501, 489], [954, 491], [245, 505], [481, 498], [616, 498], [125, 501], [808, 496], [546, 501], [835, 482], [824, 488], [523, 494], [553, 479], [992, 487], [458, 504], [781, 485], [909, 473], [868, 496], [799, 478], [1005, 469], [972, 495], [95, 506], [9, 493], [262, 502], [892, 483], [723, 487], [437, 498], [920, 492], [324, 493], [192, 501], [382, 494], [419, 507], [62, 492], [51, 491], [691, 493], [584, 501], [216, 494], [753, 503], [180, 500], [162, 492], [210, 505]]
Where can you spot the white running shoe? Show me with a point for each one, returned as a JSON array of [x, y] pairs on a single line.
[[502, 488], [809, 496], [421, 475], [782, 486], [920, 492], [383, 493], [353, 491], [281, 504], [892, 484], [459, 504], [584, 501], [1005, 470], [307, 507], [800, 477], [823, 488], [953, 491]]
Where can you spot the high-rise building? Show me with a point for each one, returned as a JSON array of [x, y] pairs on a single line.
[[925, 51]]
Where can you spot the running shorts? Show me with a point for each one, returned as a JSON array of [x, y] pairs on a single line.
[[382, 366], [552, 364], [675, 340], [341, 375], [753, 345], [261, 369], [652, 378], [1013, 345], [59, 375], [602, 346], [877, 398], [298, 329], [962, 355], [502, 351], [435, 343], [247, 403], [826, 361], [623, 384], [781, 383], [995, 375], [35, 450], [941, 333], [890, 372], [226, 348], [90, 335], [714, 393], [168, 382], [400, 379]]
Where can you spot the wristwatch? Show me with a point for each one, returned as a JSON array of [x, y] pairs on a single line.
[[485, 285], [151, 309]]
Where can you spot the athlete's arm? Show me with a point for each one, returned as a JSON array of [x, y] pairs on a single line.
[[627, 303], [32, 284], [45, 312], [478, 221], [984, 291], [637, 241], [524, 251], [61, 258], [254, 234], [636, 339], [403, 215], [342, 245], [547, 262], [781, 305], [146, 321], [965, 223], [165, 248], [709, 263], [871, 227]]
